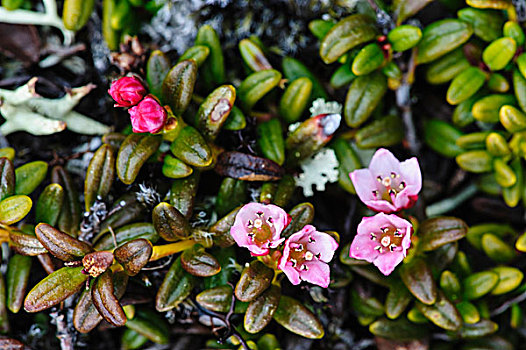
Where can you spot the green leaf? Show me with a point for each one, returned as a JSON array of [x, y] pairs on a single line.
[[99, 176], [255, 279], [157, 68], [418, 278], [509, 279], [177, 286], [257, 85], [404, 37], [133, 153], [270, 140], [441, 137], [213, 68], [465, 85], [178, 86], [260, 310], [441, 37], [29, 176], [190, 147], [346, 34], [50, 204], [18, 271], [296, 318], [364, 94], [437, 232], [295, 99], [55, 288], [14, 209], [479, 284], [7, 178], [499, 53], [442, 313], [214, 111]]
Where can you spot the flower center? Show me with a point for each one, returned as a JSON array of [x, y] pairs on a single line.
[[389, 239], [388, 187], [299, 254], [260, 229]]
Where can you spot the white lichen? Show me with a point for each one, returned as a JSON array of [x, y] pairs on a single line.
[[24, 110], [49, 17], [318, 170], [320, 106]]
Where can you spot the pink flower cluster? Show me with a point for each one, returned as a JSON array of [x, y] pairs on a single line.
[[305, 254], [146, 113], [387, 186]]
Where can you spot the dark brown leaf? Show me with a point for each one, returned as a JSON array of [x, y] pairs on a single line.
[[247, 167]]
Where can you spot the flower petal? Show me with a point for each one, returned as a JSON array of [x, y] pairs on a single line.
[[323, 244], [410, 172], [362, 247], [381, 206], [364, 184], [318, 273], [289, 271], [384, 163], [387, 262]]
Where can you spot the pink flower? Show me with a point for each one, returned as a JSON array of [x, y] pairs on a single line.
[[388, 185], [383, 240], [127, 91], [258, 227], [147, 116], [305, 256]]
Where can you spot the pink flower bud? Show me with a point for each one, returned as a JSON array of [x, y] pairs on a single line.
[[383, 240], [258, 227], [127, 91], [147, 116], [388, 185], [305, 256]]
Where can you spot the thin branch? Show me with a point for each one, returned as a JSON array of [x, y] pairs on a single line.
[[519, 298]]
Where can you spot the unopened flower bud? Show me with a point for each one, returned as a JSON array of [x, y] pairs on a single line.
[[148, 116], [127, 91]]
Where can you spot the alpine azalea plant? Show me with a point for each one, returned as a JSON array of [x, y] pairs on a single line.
[[258, 227], [387, 186], [305, 254], [382, 240]]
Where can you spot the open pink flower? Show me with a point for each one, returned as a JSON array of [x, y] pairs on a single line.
[[127, 91], [258, 227], [388, 185], [383, 240], [147, 116], [305, 256]]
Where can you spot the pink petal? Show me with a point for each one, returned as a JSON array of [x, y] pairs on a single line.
[[289, 271], [323, 244], [256, 250], [410, 172], [381, 206], [398, 222], [372, 223], [384, 163], [362, 247], [406, 241], [319, 273], [364, 184], [387, 262]]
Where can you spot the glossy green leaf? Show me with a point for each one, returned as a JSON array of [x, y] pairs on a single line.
[[134, 152], [55, 288]]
